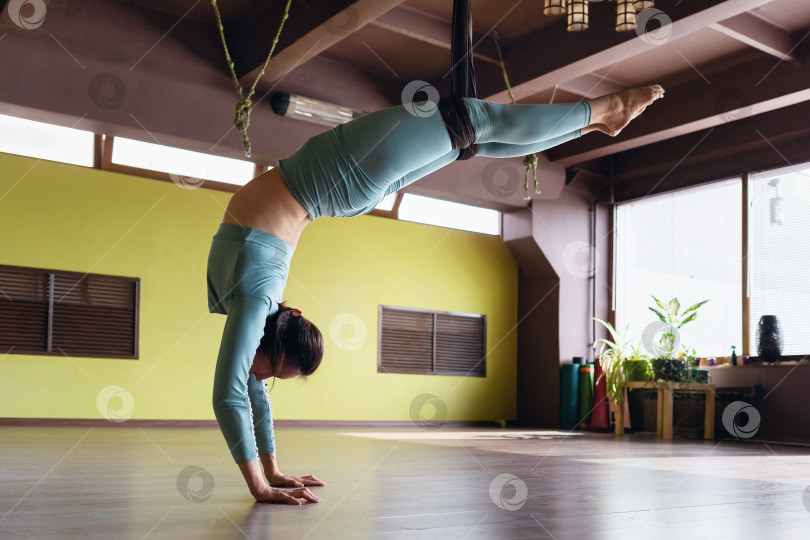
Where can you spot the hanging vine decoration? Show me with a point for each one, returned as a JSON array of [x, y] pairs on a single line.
[[530, 161], [242, 118]]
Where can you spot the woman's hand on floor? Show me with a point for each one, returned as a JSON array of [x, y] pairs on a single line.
[[284, 495], [282, 480]]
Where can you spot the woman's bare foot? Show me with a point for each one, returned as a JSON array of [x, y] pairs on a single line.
[[611, 113]]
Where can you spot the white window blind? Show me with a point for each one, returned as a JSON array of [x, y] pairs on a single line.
[[685, 244], [779, 254]]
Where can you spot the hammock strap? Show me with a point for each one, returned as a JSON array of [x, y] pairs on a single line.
[[462, 83], [457, 121]]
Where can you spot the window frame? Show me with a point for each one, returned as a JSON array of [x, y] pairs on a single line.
[[745, 292], [102, 160]]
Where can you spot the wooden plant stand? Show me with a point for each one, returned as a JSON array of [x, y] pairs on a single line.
[[666, 390]]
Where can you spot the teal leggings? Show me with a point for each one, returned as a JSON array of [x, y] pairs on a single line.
[[342, 172], [347, 170]]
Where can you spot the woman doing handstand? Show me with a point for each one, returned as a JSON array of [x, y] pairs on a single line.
[[345, 171]]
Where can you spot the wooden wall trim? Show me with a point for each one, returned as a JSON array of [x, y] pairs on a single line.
[[146, 423]]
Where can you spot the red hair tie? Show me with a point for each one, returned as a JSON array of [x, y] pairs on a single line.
[[296, 313]]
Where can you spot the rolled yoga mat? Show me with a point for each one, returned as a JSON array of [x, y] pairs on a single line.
[[569, 396], [585, 394]]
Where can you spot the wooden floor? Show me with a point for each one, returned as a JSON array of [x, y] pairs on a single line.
[[119, 482]]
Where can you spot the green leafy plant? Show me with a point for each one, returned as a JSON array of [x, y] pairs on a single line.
[[612, 358], [674, 321]]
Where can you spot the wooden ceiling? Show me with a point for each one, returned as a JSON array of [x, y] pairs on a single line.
[[729, 66]]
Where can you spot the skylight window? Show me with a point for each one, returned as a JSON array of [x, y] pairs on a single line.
[[187, 163], [46, 141], [449, 214], [387, 203]]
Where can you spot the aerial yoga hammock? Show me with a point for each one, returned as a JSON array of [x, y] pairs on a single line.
[[346, 171]]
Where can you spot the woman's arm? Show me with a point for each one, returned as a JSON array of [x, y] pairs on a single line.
[[233, 401], [244, 328], [243, 331]]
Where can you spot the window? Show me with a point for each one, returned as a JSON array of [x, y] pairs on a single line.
[[432, 342], [779, 254], [387, 203], [184, 163], [685, 244], [449, 214], [46, 141], [52, 312]]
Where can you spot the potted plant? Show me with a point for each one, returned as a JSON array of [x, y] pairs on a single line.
[[638, 365], [666, 366], [612, 357]]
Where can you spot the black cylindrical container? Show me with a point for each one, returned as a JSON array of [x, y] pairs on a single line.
[[769, 338]]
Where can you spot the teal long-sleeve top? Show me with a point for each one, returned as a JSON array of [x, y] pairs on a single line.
[[247, 272]]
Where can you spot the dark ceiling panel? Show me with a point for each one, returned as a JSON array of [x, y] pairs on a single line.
[[511, 18]]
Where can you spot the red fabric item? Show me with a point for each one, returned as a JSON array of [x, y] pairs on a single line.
[[599, 416]]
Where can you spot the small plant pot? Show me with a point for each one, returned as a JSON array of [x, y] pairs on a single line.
[[670, 369], [700, 375], [638, 369]]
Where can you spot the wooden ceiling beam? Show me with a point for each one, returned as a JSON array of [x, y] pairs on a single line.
[[759, 34], [730, 143], [426, 28], [741, 91], [551, 55], [307, 33], [591, 85], [773, 140]]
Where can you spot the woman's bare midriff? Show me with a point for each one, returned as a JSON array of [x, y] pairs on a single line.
[[266, 203]]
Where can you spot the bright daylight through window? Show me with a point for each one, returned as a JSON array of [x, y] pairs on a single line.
[[779, 254], [685, 244], [449, 214], [181, 162], [45, 141]]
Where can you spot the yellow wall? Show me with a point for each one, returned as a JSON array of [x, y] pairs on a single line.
[[71, 218]]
